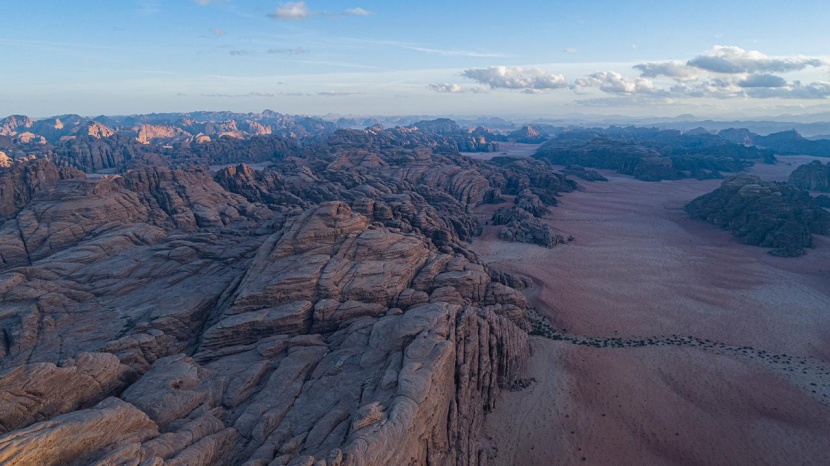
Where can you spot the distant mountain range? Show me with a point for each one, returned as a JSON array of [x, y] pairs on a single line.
[[108, 142]]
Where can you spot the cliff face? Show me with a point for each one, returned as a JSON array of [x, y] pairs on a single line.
[[763, 213], [325, 311], [811, 177]]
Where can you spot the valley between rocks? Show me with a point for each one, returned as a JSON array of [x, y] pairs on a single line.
[[671, 343]]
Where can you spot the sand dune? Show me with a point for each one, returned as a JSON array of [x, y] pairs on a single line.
[[640, 268]]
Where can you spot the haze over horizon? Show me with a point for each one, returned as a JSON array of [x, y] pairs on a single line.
[[643, 58]]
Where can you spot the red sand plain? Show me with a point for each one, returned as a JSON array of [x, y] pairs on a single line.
[[638, 267]]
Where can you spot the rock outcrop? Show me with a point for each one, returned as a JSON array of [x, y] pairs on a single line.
[[323, 311], [521, 226], [763, 213], [528, 135], [23, 180], [650, 154], [789, 142], [813, 176], [583, 173]]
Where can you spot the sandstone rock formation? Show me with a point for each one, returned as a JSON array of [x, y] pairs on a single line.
[[763, 213], [519, 225], [15, 124], [21, 181], [813, 176], [326, 310], [529, 135], [583, 173], [651, 155]]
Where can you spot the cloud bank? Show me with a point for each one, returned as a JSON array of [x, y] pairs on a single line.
[[614, 83], [507, 77], [730, 71], [722, 72]]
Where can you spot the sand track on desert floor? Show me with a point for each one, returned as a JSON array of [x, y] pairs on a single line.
[[668, 342]]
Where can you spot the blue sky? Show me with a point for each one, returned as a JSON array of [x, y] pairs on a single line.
[[530, 58]]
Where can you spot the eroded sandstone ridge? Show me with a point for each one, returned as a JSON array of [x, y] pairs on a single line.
[[323, 311]]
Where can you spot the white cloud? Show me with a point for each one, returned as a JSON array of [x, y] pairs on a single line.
[[674, 69], [570, 50], [793, 90], [729, 71], [454, 88], [614, 83], [300, 10], [292, 10], [507, 77], [445, 88], [762, 86], [715, 88], [734, 60], [358, 12], [217, 31]]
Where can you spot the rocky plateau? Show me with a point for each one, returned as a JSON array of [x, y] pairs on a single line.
[[323, 310]]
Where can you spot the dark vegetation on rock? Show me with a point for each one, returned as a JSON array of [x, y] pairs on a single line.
[[764, 213]]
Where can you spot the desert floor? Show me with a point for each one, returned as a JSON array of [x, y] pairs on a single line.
[[513, 149], [737, 365]]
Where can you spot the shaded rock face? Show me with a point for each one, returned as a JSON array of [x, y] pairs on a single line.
[[323, 311], [813, 176], [762, 213], [652, 155], [521, 226], [21, 181], [530, 202], [583, 173]]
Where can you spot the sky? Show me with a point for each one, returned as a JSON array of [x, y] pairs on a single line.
[[382, 57]]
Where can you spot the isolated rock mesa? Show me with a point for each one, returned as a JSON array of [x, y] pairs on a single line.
[[763, 213]]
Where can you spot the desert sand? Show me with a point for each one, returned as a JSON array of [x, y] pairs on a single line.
[[748, 382]]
